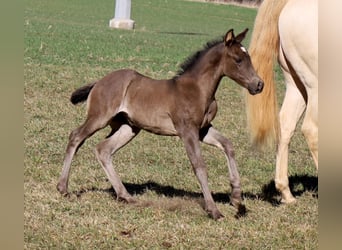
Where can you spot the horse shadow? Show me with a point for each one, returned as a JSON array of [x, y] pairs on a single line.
[[298, 185]]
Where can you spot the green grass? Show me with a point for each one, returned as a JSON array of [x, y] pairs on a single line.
[[68, 44]]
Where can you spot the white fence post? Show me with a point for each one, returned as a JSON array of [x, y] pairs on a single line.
[[122, 15]]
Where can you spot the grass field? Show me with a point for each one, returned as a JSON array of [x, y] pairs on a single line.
[[68, 44]]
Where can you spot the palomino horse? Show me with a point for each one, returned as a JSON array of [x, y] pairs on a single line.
[[287, 29], [183, 106]]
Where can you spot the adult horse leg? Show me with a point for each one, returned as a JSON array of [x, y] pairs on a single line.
[[211, 136], [190, 137], [119, 137], [292, 108], [76, 139], [310, 124]]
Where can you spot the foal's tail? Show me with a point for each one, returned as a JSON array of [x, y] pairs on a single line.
[[81, 94], [262, 109]]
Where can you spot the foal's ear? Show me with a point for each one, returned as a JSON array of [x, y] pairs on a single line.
[[229, 38], [241, 36]]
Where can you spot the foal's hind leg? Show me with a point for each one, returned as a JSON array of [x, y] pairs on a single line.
[[104, 151], [76, 139], [212, 137]]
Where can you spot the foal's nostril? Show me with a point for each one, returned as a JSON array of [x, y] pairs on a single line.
[[260, 86]]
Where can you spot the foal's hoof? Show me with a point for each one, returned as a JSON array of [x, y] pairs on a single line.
[[216, 215], [241, 209], [127, 199], [62, 190]]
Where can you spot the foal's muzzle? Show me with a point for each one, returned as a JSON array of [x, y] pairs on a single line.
[[256, 89]]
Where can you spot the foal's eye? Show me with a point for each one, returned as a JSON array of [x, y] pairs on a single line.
[[238, 60]]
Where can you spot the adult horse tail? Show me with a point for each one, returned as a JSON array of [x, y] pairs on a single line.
[[81, 94], [262, 109]]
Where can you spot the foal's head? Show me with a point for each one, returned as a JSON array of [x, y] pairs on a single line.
[[237, 64]]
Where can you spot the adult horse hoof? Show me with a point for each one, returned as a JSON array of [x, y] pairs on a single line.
[[287, 197], [290, 200]]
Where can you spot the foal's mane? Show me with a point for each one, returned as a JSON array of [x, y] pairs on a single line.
[[191, 60]]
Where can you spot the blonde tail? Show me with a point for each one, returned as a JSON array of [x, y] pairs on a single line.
[[262, 109]]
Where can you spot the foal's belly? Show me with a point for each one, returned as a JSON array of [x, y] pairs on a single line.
[[160, 129], [157, 123]]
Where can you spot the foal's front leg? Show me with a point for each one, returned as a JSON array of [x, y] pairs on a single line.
[[192, 146], [211, 136]]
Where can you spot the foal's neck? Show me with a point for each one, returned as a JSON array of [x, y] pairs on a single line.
[[207, 73]]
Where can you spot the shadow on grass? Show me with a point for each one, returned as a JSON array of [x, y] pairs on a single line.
[[298, 185]]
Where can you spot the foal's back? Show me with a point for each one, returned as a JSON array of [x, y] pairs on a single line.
[[146, 103]]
